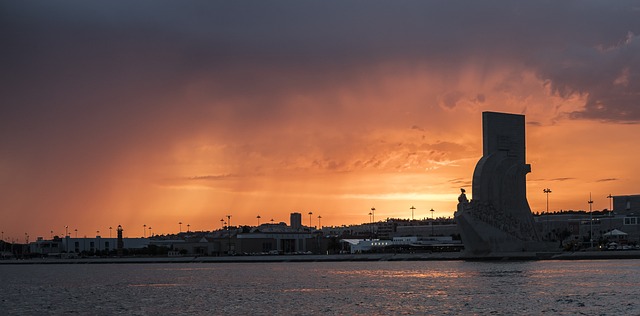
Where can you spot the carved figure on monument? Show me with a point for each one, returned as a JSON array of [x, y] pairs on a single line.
[[463, 197]]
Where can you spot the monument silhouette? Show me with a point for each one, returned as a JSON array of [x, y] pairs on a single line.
[[498, 219]]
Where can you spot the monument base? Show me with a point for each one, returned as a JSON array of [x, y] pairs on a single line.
[[483, 239]]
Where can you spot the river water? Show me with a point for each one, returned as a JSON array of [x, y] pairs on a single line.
[[585, 287]]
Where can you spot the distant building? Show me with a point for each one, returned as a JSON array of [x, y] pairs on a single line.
[[575, 228], [46, 247], [96, 244], [626, 204], [296, 221], [404, 244], [278, 242]]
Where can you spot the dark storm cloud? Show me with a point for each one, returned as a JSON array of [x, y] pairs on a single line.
[[609, 77], [259, 48], [103, 74]]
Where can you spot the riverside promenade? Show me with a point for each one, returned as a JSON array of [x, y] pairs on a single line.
[[443, 256]]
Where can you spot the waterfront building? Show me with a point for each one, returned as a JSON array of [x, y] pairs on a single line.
[[278, 242], [404, 244], [628, 205], [99, 244], [572, 229], [46, 247]]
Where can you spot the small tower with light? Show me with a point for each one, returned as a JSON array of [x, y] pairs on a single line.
[[120, 244]]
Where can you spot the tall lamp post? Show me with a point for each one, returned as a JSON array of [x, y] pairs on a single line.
[[591, 217], [110, 228], [144, 230], [412, 208], [229, 233], [547, 191], [370, 227], [319, 222], [180, 223], [310, 213], [373, 220], [432, 220], [610, 197], [258, 217], [222, 223], [373, 214]]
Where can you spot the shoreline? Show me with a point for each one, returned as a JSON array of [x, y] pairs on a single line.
[[442, 256]]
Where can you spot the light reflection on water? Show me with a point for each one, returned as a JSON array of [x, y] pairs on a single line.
[[404, 274], [606, 287]]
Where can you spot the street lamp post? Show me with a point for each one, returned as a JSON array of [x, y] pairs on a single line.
[[370, 227], [373, 220], [144, 230], [310, 213], [547, 191], [591, 219], [373, 214], [432, 220], [188, 227], [66, 230], [110, 228], [412, 208], [610, 197], [76, 230], [150, 234], [222, 223], [180, 224], [229, 232], [319, 222], [258, 217]]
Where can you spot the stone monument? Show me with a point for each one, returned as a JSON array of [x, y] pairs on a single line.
[[498, 219]]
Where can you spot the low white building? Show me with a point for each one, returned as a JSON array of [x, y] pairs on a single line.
[[364, 245]]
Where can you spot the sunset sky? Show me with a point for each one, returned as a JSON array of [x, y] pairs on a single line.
[[159, 112]]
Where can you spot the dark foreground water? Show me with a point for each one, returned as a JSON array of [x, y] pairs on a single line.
[[601, 287]]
